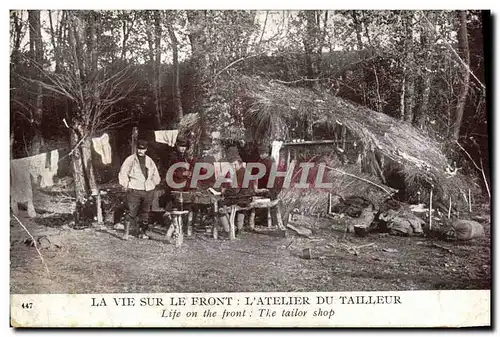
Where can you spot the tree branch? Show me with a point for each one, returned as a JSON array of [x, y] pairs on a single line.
[[234, 62], [363, 179], [464, 64], [34, 243]]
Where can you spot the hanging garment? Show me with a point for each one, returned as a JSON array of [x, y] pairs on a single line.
[[40, 168], [275, 150], [102, 147], [168, 137], [37, 164], [49, 171], [20, 185]]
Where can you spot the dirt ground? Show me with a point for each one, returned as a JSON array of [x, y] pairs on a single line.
[[99, 261]]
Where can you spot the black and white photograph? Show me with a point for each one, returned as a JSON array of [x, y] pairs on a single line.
[[249, 151]]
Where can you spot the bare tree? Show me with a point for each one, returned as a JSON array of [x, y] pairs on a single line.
[[310, 41], [463, 48], [93, 91], [56, 38], [154, 54], [358, 27], [157, 66], [176, 90], [36, 53], [425, 76], [17, 34], [127, 21], [409, 67], [201, 64]]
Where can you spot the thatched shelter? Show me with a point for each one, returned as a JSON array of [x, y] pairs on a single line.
[[372, 144]]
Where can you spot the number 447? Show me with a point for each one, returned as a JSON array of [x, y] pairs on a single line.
[[27, 305]]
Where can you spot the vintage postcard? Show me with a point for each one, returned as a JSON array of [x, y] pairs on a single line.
[[250, 168]]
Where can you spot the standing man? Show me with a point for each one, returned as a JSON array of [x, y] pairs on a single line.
[[178, 155], [268, 161], [139, 176]]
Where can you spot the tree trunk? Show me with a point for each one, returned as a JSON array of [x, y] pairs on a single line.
[[157, 67], [425, 78], [176, 83], [420, 115], [463, 49], [358, 28], [77, 168], [54, 45], [402, 96], [11, 143], [36, 51], [18, 32], [125, 38], [126, 28], [309, 41], [201, 65], [91, 19], [88, 165], [365, 24], [76, 42], [410, 68], [135, 135], [152, 63]]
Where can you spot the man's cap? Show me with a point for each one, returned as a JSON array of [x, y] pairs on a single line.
[[233, 154], [142, 144], [181, 141], [263, 148], [205, 143], [208, 159]]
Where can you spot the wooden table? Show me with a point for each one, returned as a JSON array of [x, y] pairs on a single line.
[[188, 199]]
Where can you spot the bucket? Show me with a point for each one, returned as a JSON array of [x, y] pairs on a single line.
[[361, 231], [307, 254]]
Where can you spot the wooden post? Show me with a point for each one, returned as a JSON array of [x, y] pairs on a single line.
[[251, 219], [127, 229], [232, 234], [240, 220], [180, 234], [99, 207], [288, 159], [269, 217], [215, 232], [449, 209], [171, 227], [329, 202], [189, 231], [430, 210], [279, 218], [215, 228], [135, 135], [470, 202]]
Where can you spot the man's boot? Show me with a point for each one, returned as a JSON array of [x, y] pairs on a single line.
[[127, 229], [143, 228]]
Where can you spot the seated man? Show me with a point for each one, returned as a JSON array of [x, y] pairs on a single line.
[[268, 161], [236, 195], [270, 192]]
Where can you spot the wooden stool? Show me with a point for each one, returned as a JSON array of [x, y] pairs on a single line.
[[228, 213], [177, 226], [269, 205]]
